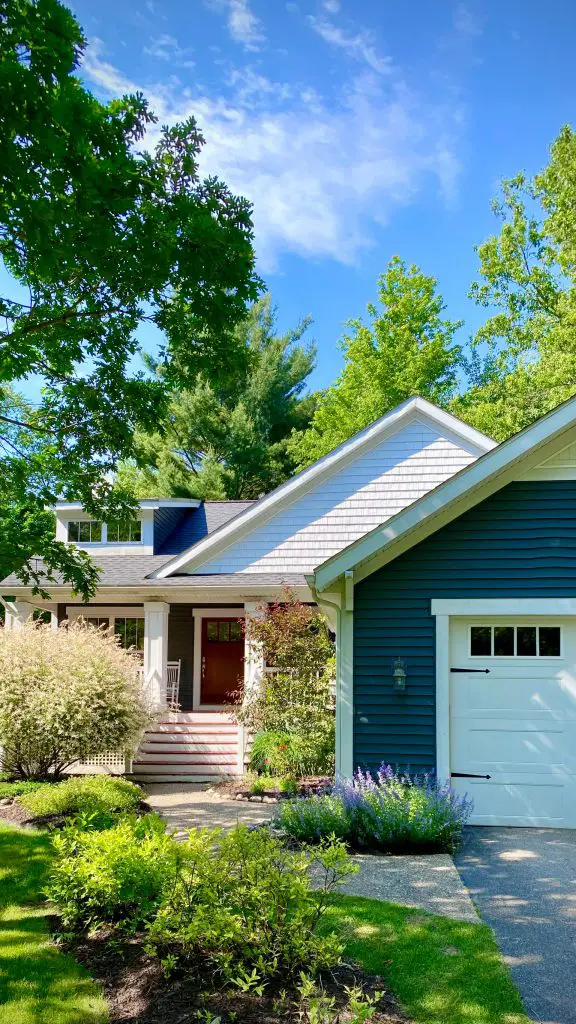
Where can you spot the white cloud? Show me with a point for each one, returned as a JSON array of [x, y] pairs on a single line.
[[243, 25], [465, 21], [322, 174], [359, 45], [332, 6], [166, 47]]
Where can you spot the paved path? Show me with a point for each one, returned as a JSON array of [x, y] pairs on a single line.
[[426, 883], [524, 884]]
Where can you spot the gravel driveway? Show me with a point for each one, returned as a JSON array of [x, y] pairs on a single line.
[[524, 883]]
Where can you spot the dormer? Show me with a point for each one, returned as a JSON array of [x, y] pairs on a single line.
[[154, 521]]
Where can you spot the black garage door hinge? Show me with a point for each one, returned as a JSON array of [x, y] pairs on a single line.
[[486, 670], [468, 775]]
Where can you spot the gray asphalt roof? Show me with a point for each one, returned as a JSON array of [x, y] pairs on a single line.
[[134, 569]]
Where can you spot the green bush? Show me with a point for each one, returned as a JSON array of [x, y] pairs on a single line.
[[116, 876], [390, 811], [295, 704], [65, 695], [83, 794], [19, 788], [243, 903]]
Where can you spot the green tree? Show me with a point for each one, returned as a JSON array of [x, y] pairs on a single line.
[[227, 438], [405, 349], [523, 360], [97, 237]]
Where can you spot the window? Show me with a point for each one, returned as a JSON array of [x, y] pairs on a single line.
[[131, 631], [99, 621], [85, 531], [224, 631], [515, 641], [128, 532]]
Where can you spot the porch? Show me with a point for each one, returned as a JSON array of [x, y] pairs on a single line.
[[196, 737]]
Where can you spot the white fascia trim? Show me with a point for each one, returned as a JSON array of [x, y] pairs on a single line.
[[535, 607], [198, 553], [175, 595], [447, 501], [146, 503]]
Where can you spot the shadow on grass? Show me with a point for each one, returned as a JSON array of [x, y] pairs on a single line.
[[443, 971], [38, 983]]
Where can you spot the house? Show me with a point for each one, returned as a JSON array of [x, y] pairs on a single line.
[[446, 566]]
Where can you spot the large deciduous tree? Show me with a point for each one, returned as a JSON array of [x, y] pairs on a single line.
[[227, 437], [524, 356], [405, 348], [96, 237]]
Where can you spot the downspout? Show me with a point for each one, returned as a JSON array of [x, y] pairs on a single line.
[[340, 620]]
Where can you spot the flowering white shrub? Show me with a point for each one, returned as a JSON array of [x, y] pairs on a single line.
[[65, 695]]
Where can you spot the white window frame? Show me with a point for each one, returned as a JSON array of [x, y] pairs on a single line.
[[73, 613], [198, 615], [87, 543], [126, 543], [515, 656]]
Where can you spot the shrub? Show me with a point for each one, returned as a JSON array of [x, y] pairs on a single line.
[[88, 794], [116, 876], [243, 903], [8, 789], [392, 812], [288, 785], [295, 704], [65, 695]]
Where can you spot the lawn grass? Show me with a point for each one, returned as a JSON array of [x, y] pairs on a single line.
[[38, 983], [443, 971]]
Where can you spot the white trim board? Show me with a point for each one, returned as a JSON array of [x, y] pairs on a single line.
[[535, 607], [284, 495], [207, 613], [452, 498]]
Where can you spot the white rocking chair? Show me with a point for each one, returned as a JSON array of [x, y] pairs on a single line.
[[173, 684]]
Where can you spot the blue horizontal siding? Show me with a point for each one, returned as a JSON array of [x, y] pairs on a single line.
[[521, 542]]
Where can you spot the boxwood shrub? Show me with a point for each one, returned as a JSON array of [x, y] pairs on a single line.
[[83, 794]]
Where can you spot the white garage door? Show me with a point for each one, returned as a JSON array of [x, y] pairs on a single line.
[[516, 722]]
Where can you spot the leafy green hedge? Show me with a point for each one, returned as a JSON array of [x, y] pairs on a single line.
[[83, 794]]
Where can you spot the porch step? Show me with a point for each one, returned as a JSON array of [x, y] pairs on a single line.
[[188, 770], [197, 718], [191, 780], [202, 745], [207, 729]]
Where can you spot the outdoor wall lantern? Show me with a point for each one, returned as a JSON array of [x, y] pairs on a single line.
[[399, 675]]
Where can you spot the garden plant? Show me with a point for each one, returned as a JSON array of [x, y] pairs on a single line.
[[390, 811], [292, 713], [65, 695]]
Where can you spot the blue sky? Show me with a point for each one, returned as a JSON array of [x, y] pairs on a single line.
[[358, 128]]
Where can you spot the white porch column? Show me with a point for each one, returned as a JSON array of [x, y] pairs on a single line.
[[253, 657], [156, 651], [345, 694], [17, 612], [253, 671]]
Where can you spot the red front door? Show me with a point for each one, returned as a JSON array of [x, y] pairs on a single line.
[[222, 662]]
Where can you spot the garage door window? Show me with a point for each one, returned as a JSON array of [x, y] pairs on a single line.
[[515, 641]]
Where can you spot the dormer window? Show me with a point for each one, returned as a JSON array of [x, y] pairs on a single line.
[[85, 531], [128, 532]]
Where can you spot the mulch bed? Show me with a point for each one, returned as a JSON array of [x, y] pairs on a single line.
[[239, 789], [16, 814], [138, 993]]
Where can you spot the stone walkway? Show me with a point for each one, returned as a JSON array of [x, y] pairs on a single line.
[[429, 883]]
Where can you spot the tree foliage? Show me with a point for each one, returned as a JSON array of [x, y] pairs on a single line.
[[406, 348], [97, 238], [524, 356], [225, 436]]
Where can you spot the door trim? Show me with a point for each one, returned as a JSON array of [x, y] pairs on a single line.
[[208, 613], [442, 610]]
